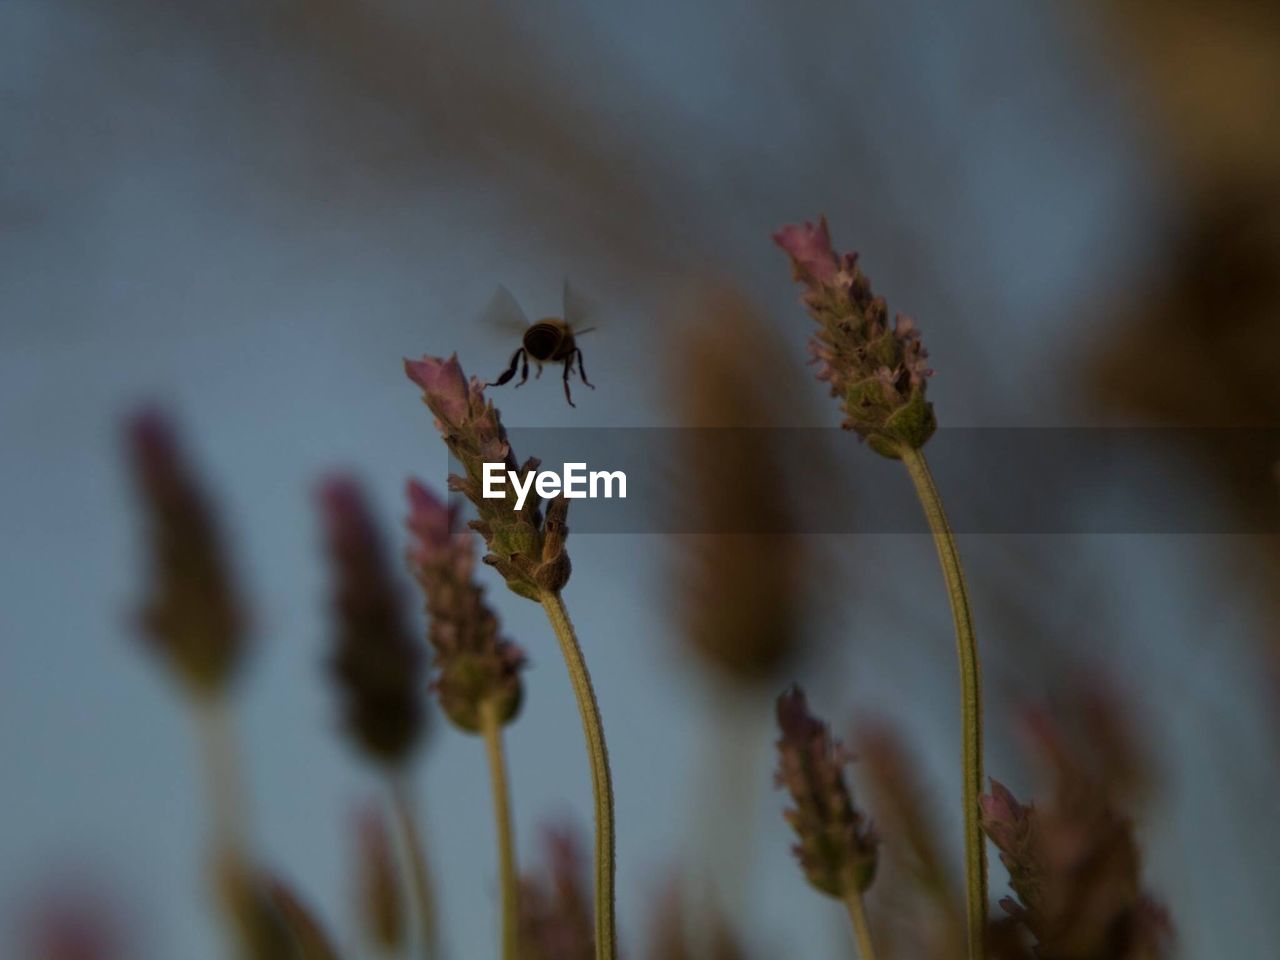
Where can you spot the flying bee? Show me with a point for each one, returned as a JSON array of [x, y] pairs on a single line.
[[550, 340]]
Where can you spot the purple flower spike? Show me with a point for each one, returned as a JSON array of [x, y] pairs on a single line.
[[836, 849], [876, 370]]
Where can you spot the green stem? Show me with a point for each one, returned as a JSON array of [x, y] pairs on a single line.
[[222, 777], [491, 727], [601, 783], [861, 930], [420, 886], [975, 853]]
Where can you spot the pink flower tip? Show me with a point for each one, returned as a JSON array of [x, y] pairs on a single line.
[[1000, 806], [443, 383], [809, 248]]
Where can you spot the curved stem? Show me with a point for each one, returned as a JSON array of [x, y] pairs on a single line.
[[861, 930], [419, 874], [601, 781], [975, 853], [491, 727]]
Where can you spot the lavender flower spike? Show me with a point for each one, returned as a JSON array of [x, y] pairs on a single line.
[[878, 372], [376, 663], [525, 546], [837, 849], [193, 617], [474, 663]]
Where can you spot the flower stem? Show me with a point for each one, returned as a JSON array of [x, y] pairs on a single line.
[[222, 777], [419, 875], [861, 930], [491, 727], [975, 854], [601, 782]]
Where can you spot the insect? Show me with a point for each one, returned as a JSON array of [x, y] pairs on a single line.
[[550, 340]]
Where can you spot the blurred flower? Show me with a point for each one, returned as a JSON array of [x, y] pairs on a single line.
[[745, 591], [555, 910], [262, 933], [193, 616], [906, 827], [837, 850], [877, 372], [310, 940], [70, 922], [527, 548], [376, 663], [1074, 866], [672, 938], [474, 663], [382, 911]]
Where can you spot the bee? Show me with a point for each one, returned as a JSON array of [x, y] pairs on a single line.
[[550, 340]]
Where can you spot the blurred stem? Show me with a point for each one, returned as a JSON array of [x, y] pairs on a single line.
[[975, 854], [601, 782], [222, 777], [491, 727], [861, 930], [419, 874]]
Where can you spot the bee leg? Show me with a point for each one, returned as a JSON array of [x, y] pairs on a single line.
[[538, 375], [568, 367], [511, 370], [582, 371], [524, 368]]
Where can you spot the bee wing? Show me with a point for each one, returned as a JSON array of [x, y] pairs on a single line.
[[578, 310], [504, 312]]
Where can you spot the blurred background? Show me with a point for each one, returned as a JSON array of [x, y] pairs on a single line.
[[247, 212]]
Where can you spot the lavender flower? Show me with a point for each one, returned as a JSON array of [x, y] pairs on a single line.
[[474, 663], [311, 941], [555, 911], [193, 617], [376, 663], [878, 372], [837, 850], [1074, 868], [527, 548]]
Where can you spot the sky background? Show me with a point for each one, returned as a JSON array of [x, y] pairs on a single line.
[[249, 212]]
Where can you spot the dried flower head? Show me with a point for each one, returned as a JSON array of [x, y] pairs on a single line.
[[525, 546], [376, 662], [1074, 866], [837, 850], [382, 911], [474, 663], [877, 371], [555, 910], [193, 616]]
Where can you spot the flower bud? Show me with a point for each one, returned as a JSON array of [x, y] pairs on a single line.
[[878, 372]]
